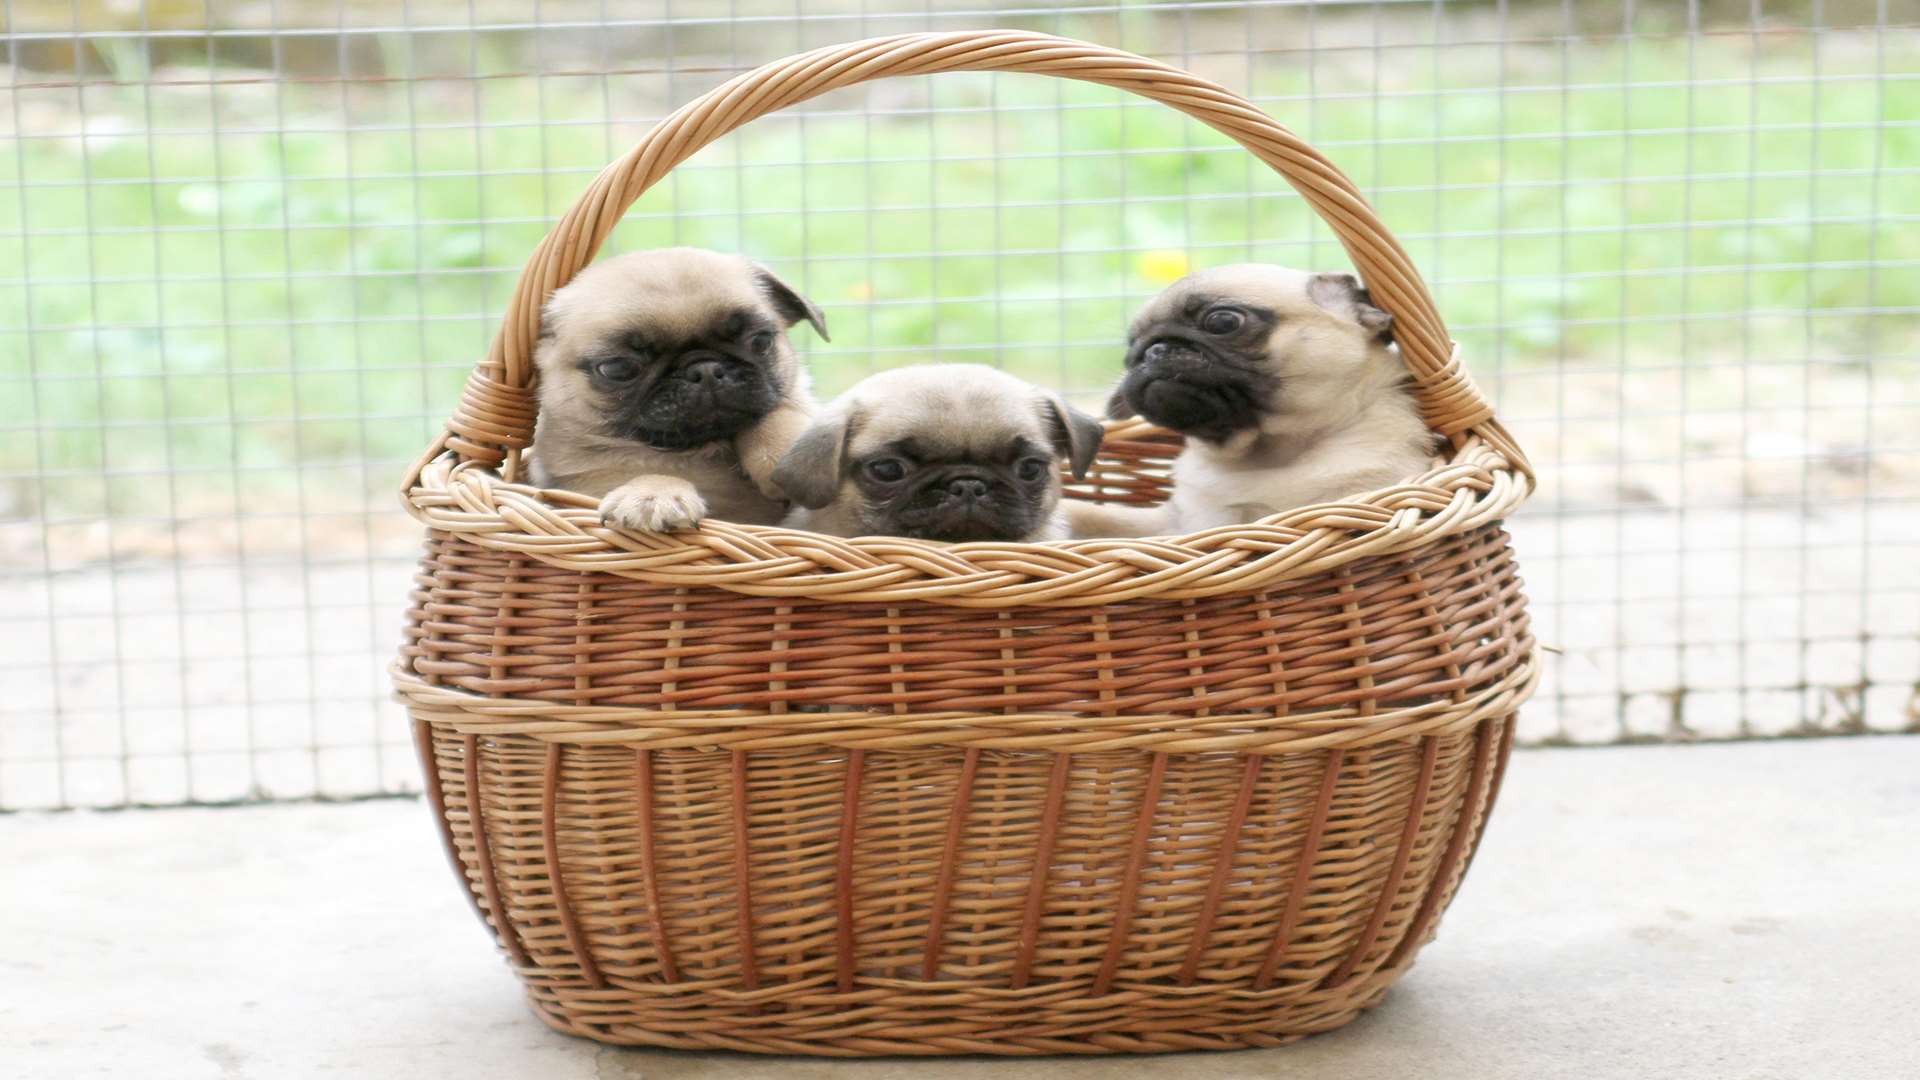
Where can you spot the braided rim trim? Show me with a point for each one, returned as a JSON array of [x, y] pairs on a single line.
[[563, 529], [741, 730]]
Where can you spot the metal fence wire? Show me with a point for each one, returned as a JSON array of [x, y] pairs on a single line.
[[248, 252]]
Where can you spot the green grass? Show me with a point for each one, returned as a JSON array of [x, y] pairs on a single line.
[[195, 303]]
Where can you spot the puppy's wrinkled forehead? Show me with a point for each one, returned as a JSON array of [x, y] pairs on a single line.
[[947, 412], [1278, 289], [677, 294]]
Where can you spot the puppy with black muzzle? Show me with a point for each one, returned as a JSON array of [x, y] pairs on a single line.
[[1287, 387], [949, 452], [668, 388]]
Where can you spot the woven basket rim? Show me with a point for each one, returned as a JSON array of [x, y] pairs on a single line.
[[1473, 487], [466, 482]]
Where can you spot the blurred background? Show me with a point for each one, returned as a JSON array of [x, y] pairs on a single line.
[[248, 251]]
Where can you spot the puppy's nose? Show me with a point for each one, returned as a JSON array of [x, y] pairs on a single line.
[[707, 371], [967, 487], [1156, 351]]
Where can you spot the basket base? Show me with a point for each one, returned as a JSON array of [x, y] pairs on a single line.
[[813, 1031]]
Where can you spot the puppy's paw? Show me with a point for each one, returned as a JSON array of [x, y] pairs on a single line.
[[653, 504], [1100, 521], [762, 446]]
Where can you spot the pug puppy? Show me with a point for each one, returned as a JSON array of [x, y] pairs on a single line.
[[942, 452], [1287, 387], [668, 388]]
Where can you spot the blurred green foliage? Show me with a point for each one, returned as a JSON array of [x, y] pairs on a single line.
[[256, 274]]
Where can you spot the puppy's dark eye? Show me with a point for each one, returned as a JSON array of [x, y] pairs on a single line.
[[1222, 321], [617, 369], [1032, 469], [886, 470], [761, 341]]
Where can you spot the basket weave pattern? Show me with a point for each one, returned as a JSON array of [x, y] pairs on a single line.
[[759, 789]]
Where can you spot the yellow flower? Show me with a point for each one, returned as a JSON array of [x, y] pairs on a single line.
[[1162, 266], [860, 291]]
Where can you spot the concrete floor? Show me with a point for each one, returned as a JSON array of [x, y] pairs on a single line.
[[1728, 912]]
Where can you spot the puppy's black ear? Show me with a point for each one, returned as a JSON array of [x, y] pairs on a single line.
[[1343, 295], [1118, 408], [809, 472], [791, 305], [1075, 434]]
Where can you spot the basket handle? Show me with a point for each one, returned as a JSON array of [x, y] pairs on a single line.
[[495, 416]]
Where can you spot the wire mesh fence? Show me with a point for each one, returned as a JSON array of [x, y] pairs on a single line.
[[248, 251]]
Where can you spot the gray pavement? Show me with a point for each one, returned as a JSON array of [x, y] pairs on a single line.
[[1742, 910]]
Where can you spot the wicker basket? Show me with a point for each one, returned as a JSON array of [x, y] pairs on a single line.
[[758, 789]]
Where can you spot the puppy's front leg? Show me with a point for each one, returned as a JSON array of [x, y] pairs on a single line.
[[653, 503], [761, 446], [1093, 521]]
